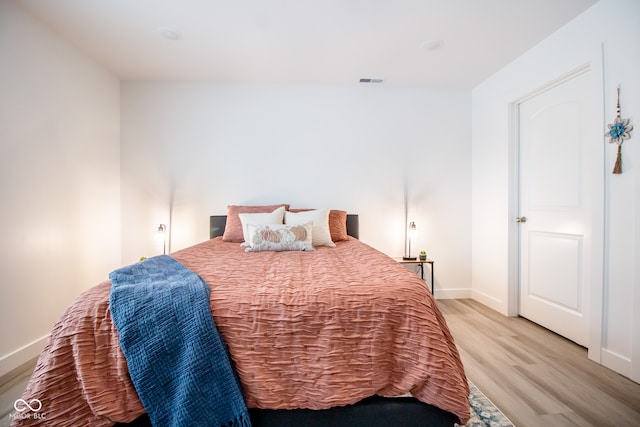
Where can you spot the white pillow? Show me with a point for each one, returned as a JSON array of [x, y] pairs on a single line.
[[320, 219], [279, 237], [274, 217]]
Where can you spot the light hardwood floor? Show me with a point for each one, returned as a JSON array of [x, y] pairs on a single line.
[[534, 376], [11, 387]]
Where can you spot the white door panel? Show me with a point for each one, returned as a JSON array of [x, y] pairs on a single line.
[[554, 198], [562, 284], [557, 150]]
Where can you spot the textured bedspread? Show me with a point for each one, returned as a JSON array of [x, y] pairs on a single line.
[[304, 329]]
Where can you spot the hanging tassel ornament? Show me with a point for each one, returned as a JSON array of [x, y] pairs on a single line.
[[618, 132], [617, 168]]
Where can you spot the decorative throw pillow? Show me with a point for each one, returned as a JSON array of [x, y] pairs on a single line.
[[233, 227], [320, 220], [275, 217], [338, 225], [279, 237]]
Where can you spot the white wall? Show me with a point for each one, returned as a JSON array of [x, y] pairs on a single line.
[[59, 168], [613, 26], [199, 147]]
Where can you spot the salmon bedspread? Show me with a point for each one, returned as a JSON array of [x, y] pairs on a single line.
[[304, 330]]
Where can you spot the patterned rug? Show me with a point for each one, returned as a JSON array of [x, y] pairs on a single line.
[[483, 412]]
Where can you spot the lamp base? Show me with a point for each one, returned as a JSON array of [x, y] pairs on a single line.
[[409, 258]]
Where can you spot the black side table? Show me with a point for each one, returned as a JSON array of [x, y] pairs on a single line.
[[421, 264]]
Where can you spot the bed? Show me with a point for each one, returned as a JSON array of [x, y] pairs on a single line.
[[328, 336]]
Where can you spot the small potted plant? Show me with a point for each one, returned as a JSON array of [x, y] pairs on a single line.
[[423, 256]]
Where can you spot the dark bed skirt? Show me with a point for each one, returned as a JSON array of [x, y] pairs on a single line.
[[371, 412]]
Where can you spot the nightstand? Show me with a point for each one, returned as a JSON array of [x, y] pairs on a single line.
[[420, 264]]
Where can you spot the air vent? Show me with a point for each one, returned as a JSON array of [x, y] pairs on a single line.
[[372, 81], [169, 33]]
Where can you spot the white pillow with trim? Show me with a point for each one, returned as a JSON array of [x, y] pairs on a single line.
[[320, 219], [279, 237], [275, 217]]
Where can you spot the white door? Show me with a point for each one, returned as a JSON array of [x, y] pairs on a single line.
[[554, 211]]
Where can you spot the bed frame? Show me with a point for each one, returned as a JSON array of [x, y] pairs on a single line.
[[374, 411]]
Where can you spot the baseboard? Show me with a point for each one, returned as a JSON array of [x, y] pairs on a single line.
[[491, 302], [452, 293], [19, 357], [616, 362]]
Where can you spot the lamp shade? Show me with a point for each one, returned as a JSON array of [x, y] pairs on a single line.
[[411, 235], [161, 234]]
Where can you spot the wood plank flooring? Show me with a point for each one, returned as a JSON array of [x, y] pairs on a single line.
[[11, 387], [534, 376]]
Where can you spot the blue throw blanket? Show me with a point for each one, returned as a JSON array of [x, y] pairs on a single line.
[[177, 360]]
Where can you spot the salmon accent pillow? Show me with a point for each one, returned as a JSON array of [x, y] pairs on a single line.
[[338, 225], [233, 228], [279, 237]]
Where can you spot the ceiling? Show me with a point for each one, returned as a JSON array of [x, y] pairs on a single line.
[[324, 42]]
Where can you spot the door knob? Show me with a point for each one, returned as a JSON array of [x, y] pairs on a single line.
[[521, 219]]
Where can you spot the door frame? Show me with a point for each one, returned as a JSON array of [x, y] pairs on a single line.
[[597, 258]]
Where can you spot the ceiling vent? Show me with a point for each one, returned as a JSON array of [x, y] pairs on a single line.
[[372, 81], [169, 33]]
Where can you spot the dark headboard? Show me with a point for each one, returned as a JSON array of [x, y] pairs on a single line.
[[218, 222]]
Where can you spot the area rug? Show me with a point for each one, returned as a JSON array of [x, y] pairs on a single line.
[[483, 412]]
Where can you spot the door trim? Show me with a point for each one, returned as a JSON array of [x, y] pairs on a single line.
[[597, 260]]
